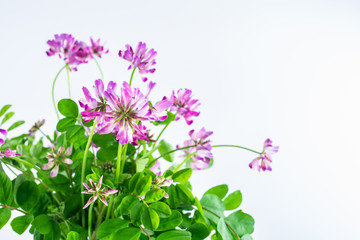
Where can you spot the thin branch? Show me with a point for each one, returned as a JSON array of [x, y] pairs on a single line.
[[145, 232], [140, 199], [14, 209]]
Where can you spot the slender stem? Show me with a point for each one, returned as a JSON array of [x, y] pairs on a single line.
[[177, 149], [140, 199], [100, 70], [53, 91], [1, 205], [185, 160], [46, 136], [69, 173], [99, 217], [26, 163], [123, 159], [236, 146], [132, 75], [11, 170], [145, 232], [206, 209], [118, 162], [90, 219], [109, 207], [157, 139], [83, 170], [68, 78]]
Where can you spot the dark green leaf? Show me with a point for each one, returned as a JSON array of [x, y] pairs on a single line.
[[220, 191], [68, 108], [233, 201], [150, 219], [15, 125], [5, 215], [6, 193], [27, 195], [127, 203], [198, 231], [133, 181], [20, 224], [183, 175], [242, 223], [54, 233], [143, 185], [7, 117], [127, 234], [135, 213], [75, 134], [184, 194], [165, 147], [175, 235], [73, 236], [43, 223], [104, 140], [109, 227], [173, 197], [154, 195], [65, 123], [4, 109], [162, 209], [107, 154], [171, 222]]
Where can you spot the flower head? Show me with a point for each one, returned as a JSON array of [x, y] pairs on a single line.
[[3, 134], [10, 153], [200, 145], [36, 127], [55, 158], [263, 161], [141, 58], [97, 192], [184, 106], [98, 49]]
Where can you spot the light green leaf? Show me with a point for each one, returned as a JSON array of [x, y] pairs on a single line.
[[233, 201], [199, 231], [5, 215], [6, 193], [175, 235], [73, 236], [162, 209], [127, 234], [4, 109], [143, 185], [135, 213], [224, 230], [165, 147], [109, 227], [65, 123], [140, 164], [43, 223], [220, 191], [182, 176], [242, 223], [133, 181], [7, 117], [154, 195], [68, 108], [171, 222], [127, 203], [150, 219], [15, 125], [184, 194], [214, 204], [20, 224]]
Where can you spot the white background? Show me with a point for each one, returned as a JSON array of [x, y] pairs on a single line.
[[288, 70]]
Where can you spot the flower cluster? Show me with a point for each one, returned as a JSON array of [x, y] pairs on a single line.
[[97, 192], [263, 161], [7, 152], [74, 52], [55, 158], [184, 105]]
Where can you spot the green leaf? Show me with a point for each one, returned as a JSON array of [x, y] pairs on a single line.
[[220, 191], [68, 108], [175, 235], [6, 194], [73, 236], [43, 223], [154, 195], [214, 204], [183, 175], [7, 117], [150, 219], [127, 203], [171, 222], [127, 234], [246, 237], [165, 147], [233, 201], [75, 134], [162, 209], [135, 213], [20, 224], [170, 118], [15, 125], [242, 223], [65, 123], [140, 164], [199, 231], [4, 109], [109, 227], [173, 197], [104, 140], [143, 185], [133, 181], [5, 215], [224, 230], [107, 154], [184, 194], [27, 195], [54, 233]]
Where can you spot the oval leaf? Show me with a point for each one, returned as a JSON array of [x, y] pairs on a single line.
[[4, 109], [162, 209], [127, 203], [220, 191], [5, 215], [150, 219], [68, 108], [143, 185], [73, 236], [109, 227], [6, 194], [164, 148], [65, 123], [233, 201], [7, 117], [182, 175], [43, 224], [15, 125], [127, 234], [172, 222], [20, 224], [175, 235], [154, 195], [27, 195]]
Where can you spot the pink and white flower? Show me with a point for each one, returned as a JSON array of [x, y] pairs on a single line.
[[97, 49], [263, 161], [97, 192], [55, 158], [184, 105]]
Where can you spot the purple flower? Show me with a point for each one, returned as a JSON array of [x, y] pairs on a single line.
[[54, 159], [97, 192], [97, 49], [36, 127], [3, 134], [141, 58], [263, 161], [124, 112], [184, 106], [200, 146], [10, 153], [66, 47]]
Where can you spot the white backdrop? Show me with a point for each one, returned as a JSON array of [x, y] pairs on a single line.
[[288, 70]]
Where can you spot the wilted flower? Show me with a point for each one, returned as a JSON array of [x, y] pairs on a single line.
[[142, 58], [97, 49], [201, 148], [3, 134], [97, 192], [55, 159], [184, 106], [36, 127], [265, 157]]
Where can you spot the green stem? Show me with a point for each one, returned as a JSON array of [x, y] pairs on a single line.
[[11, 170], [157, 139], [53, 91], [90, 219], [26, 163], [118, 163], [236, 146], [123, 159], [185, 160], [68, 78], [132, 75], [177, 149], [1, 205], [109, 207], [100, 70], [233, 230], [83, 170]]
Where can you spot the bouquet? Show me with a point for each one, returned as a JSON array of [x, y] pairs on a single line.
[[101, 174]]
